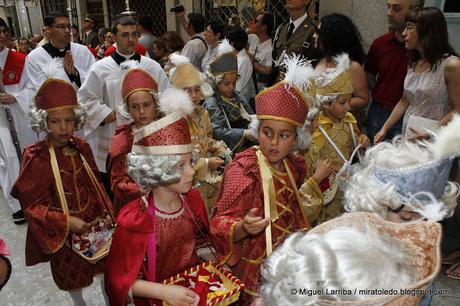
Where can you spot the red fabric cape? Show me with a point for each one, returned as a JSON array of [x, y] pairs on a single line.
[[129, 246], [13, 67]]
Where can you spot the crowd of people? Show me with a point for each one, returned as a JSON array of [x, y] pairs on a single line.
[[287, 154]]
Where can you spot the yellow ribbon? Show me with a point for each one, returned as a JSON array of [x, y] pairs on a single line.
[[268, 188]]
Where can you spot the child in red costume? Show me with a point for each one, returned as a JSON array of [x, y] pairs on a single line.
[[58, 173], [263, 188], [139, 91], [165, 224]]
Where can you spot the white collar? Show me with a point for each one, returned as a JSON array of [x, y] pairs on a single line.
[[298, 21]]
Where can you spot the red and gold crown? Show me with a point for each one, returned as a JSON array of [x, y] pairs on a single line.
[[170, 134], [55, 94], [287, 100], [137, 79], [282, 102]]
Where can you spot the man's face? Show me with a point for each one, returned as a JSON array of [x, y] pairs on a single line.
[[23, 45], [126, 38], [4, 37], [297, 4], [59, 31], [87, 25], [258, 26], [397, 11]]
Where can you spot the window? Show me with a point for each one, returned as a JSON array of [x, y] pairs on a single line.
[[451, 8]]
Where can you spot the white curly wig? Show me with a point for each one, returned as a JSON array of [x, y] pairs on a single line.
[[150, 171], [38, 117], [364, 192], [342, 258]]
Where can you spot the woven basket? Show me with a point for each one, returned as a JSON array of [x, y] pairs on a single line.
[[229, 281]]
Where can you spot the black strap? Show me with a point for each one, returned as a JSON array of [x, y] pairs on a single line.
[[204, 42], [55, 52]]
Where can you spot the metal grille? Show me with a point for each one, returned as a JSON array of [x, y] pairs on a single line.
[[155, 9], [246, 10], [54, 6]]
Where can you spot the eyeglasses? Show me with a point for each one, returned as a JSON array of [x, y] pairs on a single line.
[[61, 26], [126, 35]]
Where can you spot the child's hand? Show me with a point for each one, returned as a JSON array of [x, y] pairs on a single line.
[[364, 141], [253, 224], [78, 226], [179, 296], [323, 170], [215, 162]]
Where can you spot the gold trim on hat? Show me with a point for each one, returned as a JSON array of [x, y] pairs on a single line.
[[138, 89], [226, 72], [49, 110], [163, 150], [279, 118], [158, 125]]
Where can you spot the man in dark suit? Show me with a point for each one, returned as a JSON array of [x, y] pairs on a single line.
[[90, 36], [295, 36]]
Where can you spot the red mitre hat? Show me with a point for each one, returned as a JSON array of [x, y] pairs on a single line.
[[168, 135], [56, 94], [137, 79], [283, 102]]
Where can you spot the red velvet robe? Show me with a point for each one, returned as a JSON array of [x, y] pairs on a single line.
[[129, 247], [48, 226], [240, 191], [124, 188]]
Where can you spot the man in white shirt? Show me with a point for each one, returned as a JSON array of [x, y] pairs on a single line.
[[260, 51], [101, 92], [59, 58], [15, 132], [238, 38], [196, 47]]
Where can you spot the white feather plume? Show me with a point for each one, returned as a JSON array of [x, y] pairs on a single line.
[[129, 64], [177, 59], [342, 62], [173, 99], [299, 72], [447, 141], [224, 47]]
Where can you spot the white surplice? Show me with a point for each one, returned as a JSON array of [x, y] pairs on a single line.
[[9, 160], [101, 93]]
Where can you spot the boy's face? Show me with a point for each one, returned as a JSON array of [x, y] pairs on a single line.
[[185, 167], [142, 107], [338, 108], [194, 93], [276, 139], [227, 86], [61, 125]]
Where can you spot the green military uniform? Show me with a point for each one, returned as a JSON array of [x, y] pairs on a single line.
[[300, 42]]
